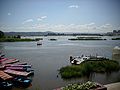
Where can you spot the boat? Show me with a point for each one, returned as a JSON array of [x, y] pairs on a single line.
[[6, 85], [5, 76], [2, 55], [79, 59], [39, 43], [18, 73], [21, 81], [16, 65], [3, 59], [17, 68], [10, 61], [21, 63]]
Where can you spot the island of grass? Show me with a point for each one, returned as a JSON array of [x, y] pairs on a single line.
[[115, 38], [87, 38], [88, 67], [6, 39]]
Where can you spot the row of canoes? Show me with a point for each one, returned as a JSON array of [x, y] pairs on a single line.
[[14, 73]]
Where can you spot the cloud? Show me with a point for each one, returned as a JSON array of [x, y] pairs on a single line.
[[27, 21], [41, 18], [73, 6], [9, 14]]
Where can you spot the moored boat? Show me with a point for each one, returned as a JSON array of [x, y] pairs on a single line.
[[39, 43], [10, 61], [79, 59], [6, 85], [17, 68], [15, 65], [21, 81], [19, 73]]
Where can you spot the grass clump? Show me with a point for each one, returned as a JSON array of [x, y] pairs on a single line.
[[15, 39], [87, 38], [115, 38], [87, 67]]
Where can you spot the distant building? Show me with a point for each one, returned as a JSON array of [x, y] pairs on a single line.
[[114, 33]]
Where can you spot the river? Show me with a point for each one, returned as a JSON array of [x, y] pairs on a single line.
[[52, 55]]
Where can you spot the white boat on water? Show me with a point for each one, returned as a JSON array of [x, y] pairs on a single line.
[[78, 60], [39, 43]]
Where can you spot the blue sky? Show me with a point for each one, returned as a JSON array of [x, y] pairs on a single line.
[[92, 16]]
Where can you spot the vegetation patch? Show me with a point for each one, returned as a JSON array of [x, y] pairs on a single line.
[[81, 86], [87, 38], [115, 38], [15, 40], [87, 67]]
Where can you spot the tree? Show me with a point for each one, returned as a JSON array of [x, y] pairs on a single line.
[[1, 34]]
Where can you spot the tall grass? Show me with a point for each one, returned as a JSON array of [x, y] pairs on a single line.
[[85, 68]]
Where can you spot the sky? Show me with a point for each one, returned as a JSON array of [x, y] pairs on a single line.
[[84, 16]]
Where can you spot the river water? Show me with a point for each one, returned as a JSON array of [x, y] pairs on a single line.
[[52, 55]]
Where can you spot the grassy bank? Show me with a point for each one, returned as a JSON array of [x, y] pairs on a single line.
[[15, 40], [87, 38], [85, 68]]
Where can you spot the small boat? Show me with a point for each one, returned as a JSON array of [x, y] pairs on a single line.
[[39, 43], [3, 59], [18, 63], [21, 63], [5, 76], [15, 65], [22, 82], [6, 85], [18, 73], [2, 55], [10, 61], [17, 68], [78, 60]]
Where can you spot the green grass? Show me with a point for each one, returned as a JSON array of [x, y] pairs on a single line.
[[14, 40], [115, 38], [87, 38], [85, 68]]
